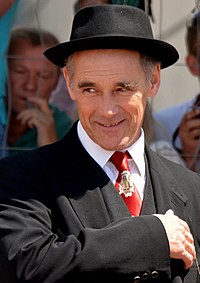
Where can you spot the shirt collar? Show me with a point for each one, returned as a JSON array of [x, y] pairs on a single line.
[[101, 156]]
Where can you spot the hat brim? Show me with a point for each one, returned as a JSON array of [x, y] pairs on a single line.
[[160, 51]]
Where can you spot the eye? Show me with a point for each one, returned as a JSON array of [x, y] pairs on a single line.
[[18, 71], [126, 88], [89, 90], [121, 89], [45, 76]]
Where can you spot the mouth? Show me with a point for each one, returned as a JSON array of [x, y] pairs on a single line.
[[111, 125]]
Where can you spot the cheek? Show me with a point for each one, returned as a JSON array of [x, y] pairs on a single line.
[[14, 82], [135, 103], [135, 108], [16, 85], [87, 110], [15, 89], [84, 107]]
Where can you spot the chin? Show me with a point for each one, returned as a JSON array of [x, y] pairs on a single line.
[[112, 147]]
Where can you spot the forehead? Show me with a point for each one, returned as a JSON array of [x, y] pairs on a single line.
[[24, 53], [24, 48], [106, 62], [115, 54], [103, 57]]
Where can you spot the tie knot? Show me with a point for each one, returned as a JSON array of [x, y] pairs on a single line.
[[120, 160]]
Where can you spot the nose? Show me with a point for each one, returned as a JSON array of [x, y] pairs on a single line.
[[108, 105], [31, 82]]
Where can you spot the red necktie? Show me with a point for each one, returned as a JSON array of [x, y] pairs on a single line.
[[124, 184]]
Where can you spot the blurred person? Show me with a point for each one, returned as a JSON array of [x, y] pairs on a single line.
[[61, 99], [181, 123], [7, 15], [32, 120], [99, 205], [162, 146]]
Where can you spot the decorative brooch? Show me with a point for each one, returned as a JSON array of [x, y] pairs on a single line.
[[126, 185]]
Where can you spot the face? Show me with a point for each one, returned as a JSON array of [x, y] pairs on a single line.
[[29, 75], [111, 92], [193, 65]]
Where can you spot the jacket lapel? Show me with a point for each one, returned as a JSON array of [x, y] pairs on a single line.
[[149, 205], [167, 193], [101, 205]]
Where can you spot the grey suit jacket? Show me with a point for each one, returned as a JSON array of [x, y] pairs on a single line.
[[61, 219]]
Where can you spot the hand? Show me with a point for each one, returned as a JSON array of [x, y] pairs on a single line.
[[189, 134], [181, 242], [41, 117]]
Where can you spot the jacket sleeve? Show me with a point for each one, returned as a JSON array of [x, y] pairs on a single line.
[[34, 250]]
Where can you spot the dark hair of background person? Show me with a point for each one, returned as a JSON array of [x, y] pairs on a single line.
[[33, 36]]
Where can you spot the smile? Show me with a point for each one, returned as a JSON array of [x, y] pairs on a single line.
[[111, 125]]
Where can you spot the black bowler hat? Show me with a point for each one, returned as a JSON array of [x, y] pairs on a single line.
[[113, 27]]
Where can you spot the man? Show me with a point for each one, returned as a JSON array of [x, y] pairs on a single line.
[[32, 120], [181, 123], [66, 213], [162, 147]]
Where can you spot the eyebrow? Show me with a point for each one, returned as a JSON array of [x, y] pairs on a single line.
[[128, 85], [86, 84]]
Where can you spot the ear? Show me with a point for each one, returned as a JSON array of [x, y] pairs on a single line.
[[192, 64], [68, 83], [154, 82]]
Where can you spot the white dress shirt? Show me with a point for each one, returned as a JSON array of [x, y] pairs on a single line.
[[102, 156]]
